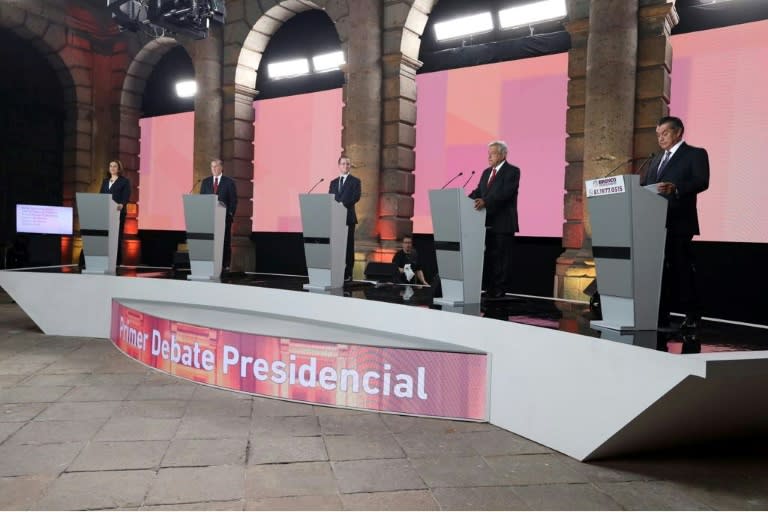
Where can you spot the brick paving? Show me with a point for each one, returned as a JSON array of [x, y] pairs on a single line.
[[84, 427]]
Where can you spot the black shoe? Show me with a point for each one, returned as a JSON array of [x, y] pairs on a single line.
[[347, 279], [690, 323]]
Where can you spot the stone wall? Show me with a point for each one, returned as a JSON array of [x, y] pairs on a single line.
[[103, 74]]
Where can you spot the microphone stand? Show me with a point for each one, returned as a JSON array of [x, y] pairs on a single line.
[[315, 185], [622, 164], [470, 177], [646, 162], [451, 180]]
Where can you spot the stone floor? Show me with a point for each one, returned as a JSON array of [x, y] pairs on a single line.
[[84, 427]]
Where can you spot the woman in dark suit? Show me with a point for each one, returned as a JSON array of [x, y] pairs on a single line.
[[120, 188]]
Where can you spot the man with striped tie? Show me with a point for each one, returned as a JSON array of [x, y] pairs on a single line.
[[680, 173]]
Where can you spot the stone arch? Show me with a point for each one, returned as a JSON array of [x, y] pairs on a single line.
[[248, 30], [135, 68], [405, 23], [69, 56]]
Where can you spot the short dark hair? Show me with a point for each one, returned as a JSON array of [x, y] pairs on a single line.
[[674, 122], [409, 237], [343, 157]]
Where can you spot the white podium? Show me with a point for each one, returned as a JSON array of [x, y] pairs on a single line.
[[100, 230], [459, 246], [628, 238], [324, 225], [204, 217]]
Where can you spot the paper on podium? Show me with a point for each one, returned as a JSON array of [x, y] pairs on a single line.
[[653, 187]]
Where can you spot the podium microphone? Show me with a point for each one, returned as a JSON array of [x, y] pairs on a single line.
[[622, 164], [315, 185], [646, 162], [195, 185], [451, 180], [470, 177]]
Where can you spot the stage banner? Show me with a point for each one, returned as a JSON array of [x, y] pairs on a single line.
[[419, 382]]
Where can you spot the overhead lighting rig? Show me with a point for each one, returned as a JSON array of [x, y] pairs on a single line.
[[167, 17]]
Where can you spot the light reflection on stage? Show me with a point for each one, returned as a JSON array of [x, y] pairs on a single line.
[[549, 313]]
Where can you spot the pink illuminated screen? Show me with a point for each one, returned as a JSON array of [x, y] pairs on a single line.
[[717, 89], [297, 142], [426, 383], [522, 102], [166, 170], [719, 84]]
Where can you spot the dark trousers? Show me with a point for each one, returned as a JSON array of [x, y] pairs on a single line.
[[120, 237], [226, 257], [678, 281], [350, 260], [497, 274]]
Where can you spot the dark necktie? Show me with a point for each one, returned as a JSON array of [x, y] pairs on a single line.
[[662, 164], [341, 182], [216, 185], [492, 177]]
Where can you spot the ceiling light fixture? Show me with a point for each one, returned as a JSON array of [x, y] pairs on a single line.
[[186, 88], [464, 26], [288, 68], [528, 14], [328, 61]]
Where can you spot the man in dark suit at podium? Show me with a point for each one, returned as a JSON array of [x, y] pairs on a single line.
[[224, 187], [496, 193], [346, 189], [680, 172]]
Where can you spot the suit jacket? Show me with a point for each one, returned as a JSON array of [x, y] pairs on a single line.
[[121, 191], [349, 195], [688, 169], [227, 192], [500, 198]]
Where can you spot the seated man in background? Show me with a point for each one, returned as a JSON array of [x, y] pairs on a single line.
[[407, 262]]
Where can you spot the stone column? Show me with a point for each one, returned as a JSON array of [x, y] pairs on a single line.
[[128, 154], [654, 63], [206, 57], [210, 115], [126, 112], [404, 22], [237, 152], [608, 122], [77, 174], [399, 140], [361, 119]]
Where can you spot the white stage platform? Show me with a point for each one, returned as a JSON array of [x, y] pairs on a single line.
[[585, 397]]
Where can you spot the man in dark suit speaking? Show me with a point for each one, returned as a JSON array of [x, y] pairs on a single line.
[[680, 172], [224, 188], [496, 193], [346, 189]]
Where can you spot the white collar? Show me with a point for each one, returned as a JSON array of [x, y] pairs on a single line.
[[675, 148]]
